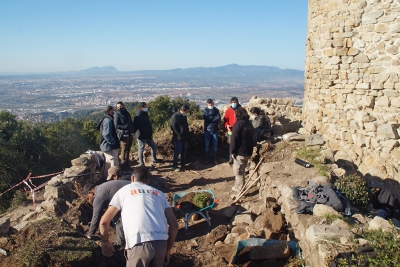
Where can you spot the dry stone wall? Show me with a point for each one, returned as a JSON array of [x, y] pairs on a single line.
[[352, 87]]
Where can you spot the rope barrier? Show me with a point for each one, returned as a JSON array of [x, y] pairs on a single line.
[[28, 178], [29, 175], [46, 175]]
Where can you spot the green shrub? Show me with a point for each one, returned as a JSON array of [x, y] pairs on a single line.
[[201, 200], [18, 199], [355, 189]]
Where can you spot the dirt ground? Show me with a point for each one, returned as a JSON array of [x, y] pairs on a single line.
[[190, 248]]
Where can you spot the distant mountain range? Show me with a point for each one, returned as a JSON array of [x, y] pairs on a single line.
[[228, 73], [232, 71]]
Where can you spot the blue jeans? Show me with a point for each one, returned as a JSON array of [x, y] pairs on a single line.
[[179, 148], [150, 142], [211, 137]]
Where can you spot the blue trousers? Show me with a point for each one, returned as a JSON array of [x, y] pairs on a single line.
[[208, 138], [179, 149], [153, 146]]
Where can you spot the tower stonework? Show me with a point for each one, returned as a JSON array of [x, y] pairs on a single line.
[[352, 86]]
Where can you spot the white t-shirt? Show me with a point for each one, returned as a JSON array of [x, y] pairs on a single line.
[[143, 213]]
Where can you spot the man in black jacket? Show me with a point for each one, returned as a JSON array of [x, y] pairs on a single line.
[[211, 117], [180, 138], [241, 147], [123, 124], [144, 132]]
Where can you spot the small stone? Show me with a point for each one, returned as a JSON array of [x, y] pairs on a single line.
[[359, 218]]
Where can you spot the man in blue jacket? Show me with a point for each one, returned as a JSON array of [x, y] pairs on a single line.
[[211, 117], [108, 139]]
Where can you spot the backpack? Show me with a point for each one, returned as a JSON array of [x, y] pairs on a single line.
[[260, 134], [98, 125], [384, 199]]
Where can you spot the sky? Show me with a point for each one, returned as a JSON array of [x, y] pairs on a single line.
[[60, 35]]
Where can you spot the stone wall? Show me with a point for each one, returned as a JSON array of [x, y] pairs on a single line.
[[352, 87], [283, 115]]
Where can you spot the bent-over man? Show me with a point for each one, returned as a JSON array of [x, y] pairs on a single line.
[[149, 223], [100, 197]]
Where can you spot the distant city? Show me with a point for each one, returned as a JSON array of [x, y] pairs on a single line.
[[53, 97]]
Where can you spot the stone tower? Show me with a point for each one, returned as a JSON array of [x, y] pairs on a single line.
[[352, 87]]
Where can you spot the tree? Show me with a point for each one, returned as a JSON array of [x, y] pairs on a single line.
[[160, 111], [194, 112]]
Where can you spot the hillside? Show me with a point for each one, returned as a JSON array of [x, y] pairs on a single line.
[[53, 233]]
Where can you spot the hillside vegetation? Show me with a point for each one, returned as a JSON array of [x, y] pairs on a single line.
[[49, 147]]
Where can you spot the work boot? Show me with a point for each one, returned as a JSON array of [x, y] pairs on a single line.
[[230, 161]]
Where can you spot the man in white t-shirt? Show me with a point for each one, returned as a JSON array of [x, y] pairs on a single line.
[[146, 216]]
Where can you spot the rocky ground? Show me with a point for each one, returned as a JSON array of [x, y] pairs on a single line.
[[48, 239]]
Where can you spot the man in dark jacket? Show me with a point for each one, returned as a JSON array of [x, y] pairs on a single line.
[[241, 147], [180, 138], [100, 197], [108, 139], [144, 132], [211, 119], [123, 124]]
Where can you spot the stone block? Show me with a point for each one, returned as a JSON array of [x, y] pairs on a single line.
[[353, 51], [4, 225], [361, 58], [278, 250], [225, 251], [387, 131], [321, 210], [230, 238], [393, 50], [340, 223], [389, 144], [314, 139], [382, 28], [246, 218], [317, 231], [29, 216], [217, 234], [21, 225], [54, 192], [378, 223]]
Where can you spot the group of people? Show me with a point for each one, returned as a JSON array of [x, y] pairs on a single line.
[[117, 130], [144, 220]]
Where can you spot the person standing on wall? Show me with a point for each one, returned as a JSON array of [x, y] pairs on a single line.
[[108, 139], [123, 124], [180, 137], [230, 119], [144, 132], [211, 117], [241, 147]]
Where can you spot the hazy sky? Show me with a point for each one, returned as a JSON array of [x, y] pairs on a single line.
[[60, 35]]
